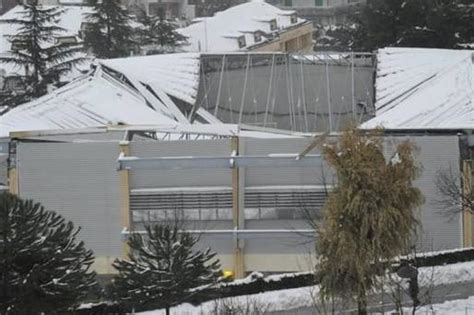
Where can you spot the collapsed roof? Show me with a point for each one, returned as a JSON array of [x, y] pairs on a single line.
[[424, 89], [137, 93]]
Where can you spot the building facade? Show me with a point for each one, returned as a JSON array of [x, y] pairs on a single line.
[[6, 5], [321, 12], [169, 9], [246, 197], [251, 26]]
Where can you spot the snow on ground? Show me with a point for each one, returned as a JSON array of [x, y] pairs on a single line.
[[304, 297], [269, 301], [455, 307]]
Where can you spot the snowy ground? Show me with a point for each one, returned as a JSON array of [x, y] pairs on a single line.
[[456, 307], [275, 301]]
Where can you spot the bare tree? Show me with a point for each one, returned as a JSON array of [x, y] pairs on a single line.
[[234, 306], [454, 192]]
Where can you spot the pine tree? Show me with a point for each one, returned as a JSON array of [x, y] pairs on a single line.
[[109, 32], [414, 23], [161, 268], [159, 36], [211, 7], [370, 216], [34, 48], [43, 269]]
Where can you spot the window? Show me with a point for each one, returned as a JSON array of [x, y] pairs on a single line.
[[318, 3], [17, 45], [257, 37], [293, 18], [273, 25], [260, 204], [66, 40], [288, 3], [241, 41]]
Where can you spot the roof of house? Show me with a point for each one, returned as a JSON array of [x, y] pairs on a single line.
[[220, 32], [71, 21], [424, 89], [91, 101]]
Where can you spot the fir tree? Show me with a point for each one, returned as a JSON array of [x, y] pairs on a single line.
[[369, 218], [211, 7], [414, 23], [161, 268], [159, 35], [109, 32], [34, 48], [43, 269]]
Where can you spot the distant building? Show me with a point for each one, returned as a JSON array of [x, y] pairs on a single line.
[[323, 12], [6, 5], [169, 9], [59, 2], [251, 26]]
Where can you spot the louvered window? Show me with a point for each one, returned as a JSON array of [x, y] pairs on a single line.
[[216, 204]]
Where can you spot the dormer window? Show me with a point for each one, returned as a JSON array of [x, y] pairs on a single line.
[[17, 45], [273, 25], [257, 37], [293, 18], [241, 41], [66, 40]]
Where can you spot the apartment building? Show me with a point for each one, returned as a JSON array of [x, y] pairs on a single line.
[[323, 12], [251, 26], [6, 5]]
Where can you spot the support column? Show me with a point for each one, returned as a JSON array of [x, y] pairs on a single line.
[[467, 213], [13, 184], [124, 183], [237, 213]]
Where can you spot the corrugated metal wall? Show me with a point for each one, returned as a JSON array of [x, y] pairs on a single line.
[[180, 178], [436, 152], [79, 181]]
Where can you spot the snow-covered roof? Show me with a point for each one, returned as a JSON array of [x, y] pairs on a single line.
[[175, 74], [91, 101], [71, 21], [218, 33], [424, 89]]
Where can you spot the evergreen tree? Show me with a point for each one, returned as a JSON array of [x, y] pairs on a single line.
[[159, 35], [161, 268], [211, 7], [35, 49], [43, 269], [109, 32], [414, 23], [369, 218]]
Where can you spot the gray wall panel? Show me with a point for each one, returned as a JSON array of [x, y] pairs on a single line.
[[434, 153], [79, 181], [284, 175], [184, 178]]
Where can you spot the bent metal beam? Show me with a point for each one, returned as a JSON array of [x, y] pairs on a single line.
[[232, 161]]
